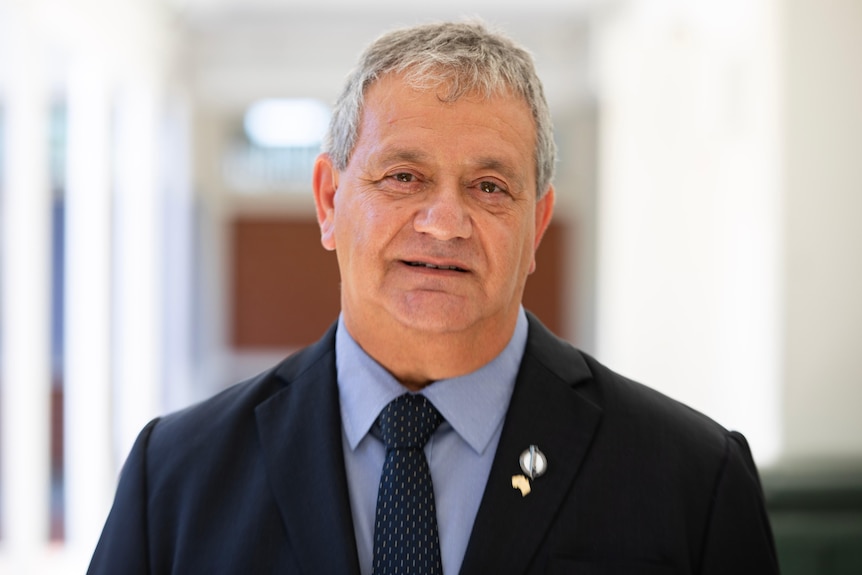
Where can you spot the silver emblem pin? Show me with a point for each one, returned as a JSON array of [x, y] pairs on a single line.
[[533, 462]]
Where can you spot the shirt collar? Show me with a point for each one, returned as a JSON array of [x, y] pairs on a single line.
[[473, 404]]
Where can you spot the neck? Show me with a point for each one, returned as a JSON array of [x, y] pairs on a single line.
[[418, 358]]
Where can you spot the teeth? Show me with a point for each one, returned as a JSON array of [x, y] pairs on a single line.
[[432, 266], [440, 267]]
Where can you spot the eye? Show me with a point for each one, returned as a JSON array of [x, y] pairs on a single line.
[[489, 187], [404, 177]]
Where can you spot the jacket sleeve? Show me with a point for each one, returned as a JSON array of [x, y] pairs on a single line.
[[739, 538], [124, 544]]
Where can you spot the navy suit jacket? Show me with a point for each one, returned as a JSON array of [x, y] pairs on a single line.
[[252, 480]]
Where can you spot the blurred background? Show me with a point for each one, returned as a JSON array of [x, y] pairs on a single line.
[[158, 241]]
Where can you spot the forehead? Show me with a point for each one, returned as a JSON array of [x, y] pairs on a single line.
[[397, 115], [402, 89]]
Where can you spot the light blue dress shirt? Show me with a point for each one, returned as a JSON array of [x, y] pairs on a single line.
[[459, 453]]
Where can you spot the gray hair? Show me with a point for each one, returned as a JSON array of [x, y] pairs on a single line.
[[464, 58]]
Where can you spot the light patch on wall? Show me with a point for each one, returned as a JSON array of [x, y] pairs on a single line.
[[286, 122]]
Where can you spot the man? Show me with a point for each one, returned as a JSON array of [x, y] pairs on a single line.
[[434, 190]]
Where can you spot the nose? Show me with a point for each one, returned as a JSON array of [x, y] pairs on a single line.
[[444, 214]]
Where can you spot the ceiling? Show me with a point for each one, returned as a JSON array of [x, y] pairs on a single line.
[[239, 50], [198, 7]]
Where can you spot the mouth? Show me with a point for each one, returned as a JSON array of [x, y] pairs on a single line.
[[434, 266]]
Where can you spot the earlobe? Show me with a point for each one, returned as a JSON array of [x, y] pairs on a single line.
[[325, 183], [544, 211]]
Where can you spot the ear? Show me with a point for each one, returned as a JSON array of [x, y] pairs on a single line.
[[325, 183], [544, 211]]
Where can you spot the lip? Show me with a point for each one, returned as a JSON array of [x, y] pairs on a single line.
[[432, 265]]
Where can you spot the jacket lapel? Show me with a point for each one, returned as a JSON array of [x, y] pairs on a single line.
[[300, 433], [547, 411]]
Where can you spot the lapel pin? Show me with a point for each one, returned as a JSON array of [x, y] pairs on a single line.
[[533, 462], [521, 483]]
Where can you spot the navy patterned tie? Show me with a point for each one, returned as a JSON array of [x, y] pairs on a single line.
[[405, 527]]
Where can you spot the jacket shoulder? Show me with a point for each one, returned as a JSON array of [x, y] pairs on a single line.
[[229, 415], [628, 407]]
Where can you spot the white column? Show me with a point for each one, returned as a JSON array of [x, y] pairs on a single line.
[[178, 257], [822, 103], [137, 269], [25, 312], [90, 468], [689, 229]]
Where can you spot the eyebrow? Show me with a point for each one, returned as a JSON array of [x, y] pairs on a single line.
[[504, 168], [401, 155]]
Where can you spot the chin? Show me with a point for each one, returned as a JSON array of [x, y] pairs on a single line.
[[435, 314]]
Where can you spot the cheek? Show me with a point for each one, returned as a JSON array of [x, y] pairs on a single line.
[[366, 226], [381, 220], [513, 246]]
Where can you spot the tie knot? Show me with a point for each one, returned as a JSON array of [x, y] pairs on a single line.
[[408, 421]]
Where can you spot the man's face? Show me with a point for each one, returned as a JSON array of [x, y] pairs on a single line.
[[435, 219]]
